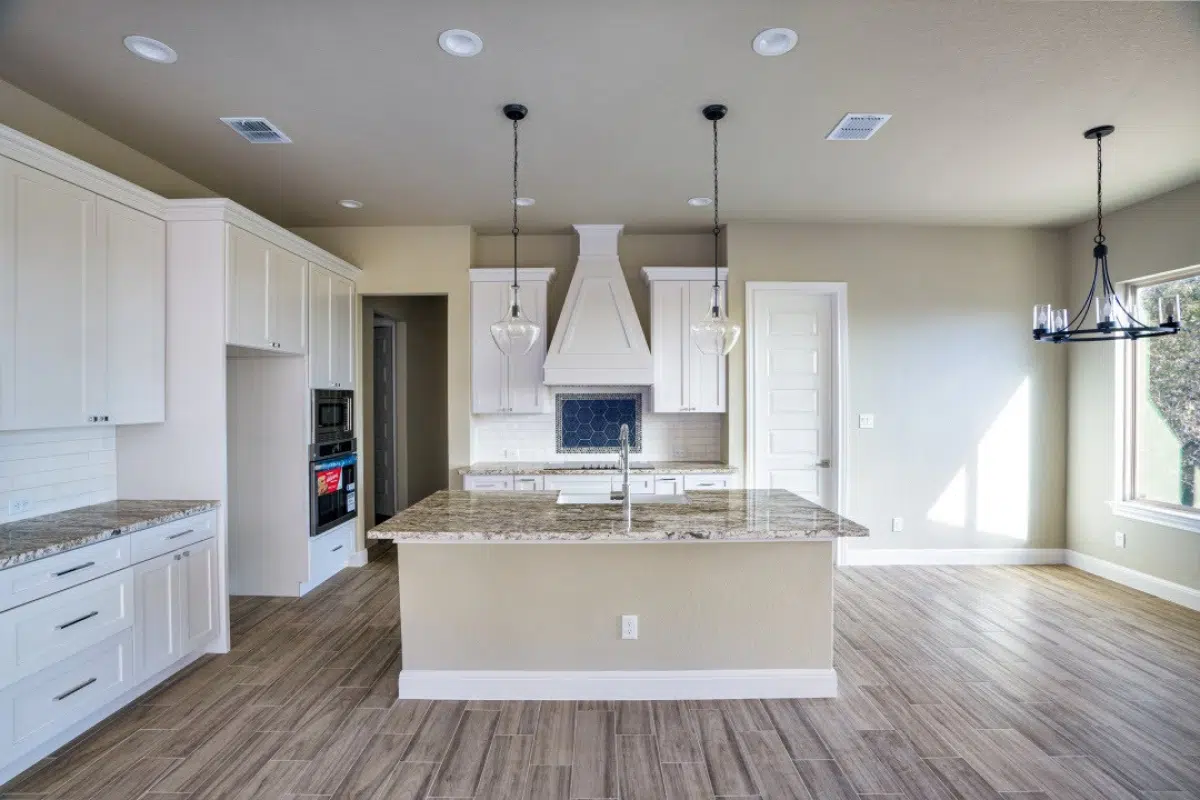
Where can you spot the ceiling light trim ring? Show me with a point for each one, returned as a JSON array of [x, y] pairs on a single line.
[[773, 42], [460, 43], [148, 49]]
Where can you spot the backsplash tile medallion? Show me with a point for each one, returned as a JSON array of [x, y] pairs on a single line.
[[591, 423]]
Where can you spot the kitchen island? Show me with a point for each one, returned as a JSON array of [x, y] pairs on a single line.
[[514, 595]]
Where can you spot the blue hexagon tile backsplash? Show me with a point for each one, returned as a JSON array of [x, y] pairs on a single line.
[[591, 423]]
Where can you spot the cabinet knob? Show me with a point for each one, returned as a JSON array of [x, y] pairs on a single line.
[[177, 556]]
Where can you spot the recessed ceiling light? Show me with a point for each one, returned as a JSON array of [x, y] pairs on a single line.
[[458, 42], [350, 203], [151, 49], [700, 202], [524, 202], [775, 41]]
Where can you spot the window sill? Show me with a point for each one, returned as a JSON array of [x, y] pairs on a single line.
[[1159, 515]]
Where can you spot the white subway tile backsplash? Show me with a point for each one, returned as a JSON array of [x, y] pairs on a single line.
[[57, 469]]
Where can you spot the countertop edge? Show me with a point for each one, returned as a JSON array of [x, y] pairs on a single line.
[[37, 554], [434, 537], [518, 468]]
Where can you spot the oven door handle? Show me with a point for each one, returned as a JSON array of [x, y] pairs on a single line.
[[350, 413]]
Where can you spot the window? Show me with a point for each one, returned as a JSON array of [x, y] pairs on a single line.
[[1164, 399]]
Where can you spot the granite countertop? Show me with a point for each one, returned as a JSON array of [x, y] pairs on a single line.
[[38, 537], [740, 515], [562, 468]]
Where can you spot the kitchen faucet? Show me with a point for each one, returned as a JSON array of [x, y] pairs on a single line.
[[624, 494]]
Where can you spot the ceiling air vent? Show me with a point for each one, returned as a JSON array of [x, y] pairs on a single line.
[[857, 127], [257, 130]]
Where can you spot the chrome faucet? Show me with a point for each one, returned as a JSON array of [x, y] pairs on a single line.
[[624, 494]]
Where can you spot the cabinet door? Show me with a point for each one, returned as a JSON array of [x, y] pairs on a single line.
[[705, 373], [342, 332], [247, 291], [52, 303], [526, 392], [670, 335], [158, 620], [133, 246], [198, 595], [287, 276], [320, 327], [489, 367]]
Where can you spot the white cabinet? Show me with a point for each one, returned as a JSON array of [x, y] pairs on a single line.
[[331, 329], [708, 483], [175, 605], [488, 483], [266, 294], [502, 384], [668, 484], [685, 380]]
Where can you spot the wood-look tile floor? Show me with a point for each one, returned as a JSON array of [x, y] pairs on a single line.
[[1026, 683]]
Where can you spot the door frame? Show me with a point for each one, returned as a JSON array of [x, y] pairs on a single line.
[[399, 334], [840, 374]]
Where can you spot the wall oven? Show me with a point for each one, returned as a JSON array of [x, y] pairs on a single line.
[[334, 485], [332, 415]]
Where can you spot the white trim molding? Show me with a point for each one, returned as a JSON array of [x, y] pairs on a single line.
[[504, 274], [357, 559], [1171, 517], [716, 684], [684, 274], [862, 557], [1167, 590]]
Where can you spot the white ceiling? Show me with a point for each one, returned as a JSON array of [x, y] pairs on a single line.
[[989, 99]]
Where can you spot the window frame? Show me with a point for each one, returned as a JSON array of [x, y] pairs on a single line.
[[1129, 505]]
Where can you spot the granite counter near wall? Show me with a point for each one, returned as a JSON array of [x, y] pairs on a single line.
[[559, 468], [39, 537]]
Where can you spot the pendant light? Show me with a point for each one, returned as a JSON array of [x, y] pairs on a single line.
[[716, 334], [1113, 320], [516, 333]]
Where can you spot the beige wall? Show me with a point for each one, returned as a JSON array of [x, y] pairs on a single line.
[[32, 117], [709, 605], [940, 352], [1159, 235]]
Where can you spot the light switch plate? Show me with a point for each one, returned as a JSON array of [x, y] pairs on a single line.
[[897, 524], [19, 505], [1120, 539], [866, 421]]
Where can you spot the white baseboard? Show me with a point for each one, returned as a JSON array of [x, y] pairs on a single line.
[[30, 757], [997, 555], [357, 559], [713, 684], [1174, 592]]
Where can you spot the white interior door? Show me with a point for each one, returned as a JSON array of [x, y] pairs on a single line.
[[790, 388]]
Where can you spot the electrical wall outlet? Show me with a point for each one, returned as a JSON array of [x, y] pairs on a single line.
[[1120, 539], [19, 505], [897, 524], [866, 421], [629, 626]]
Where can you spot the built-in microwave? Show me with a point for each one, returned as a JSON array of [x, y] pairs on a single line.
[[332, 415]]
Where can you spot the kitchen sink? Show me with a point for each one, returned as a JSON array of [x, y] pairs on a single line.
[[581, 499]]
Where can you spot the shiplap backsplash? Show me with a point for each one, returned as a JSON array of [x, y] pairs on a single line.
[[57, 469], [530, 437]]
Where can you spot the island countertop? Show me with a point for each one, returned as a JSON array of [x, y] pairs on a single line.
[[749, 515]]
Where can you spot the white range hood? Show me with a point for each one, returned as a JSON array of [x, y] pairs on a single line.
[[598, 340]]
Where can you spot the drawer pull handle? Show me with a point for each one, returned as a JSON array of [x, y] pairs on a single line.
[[66, 625], [339, 547], [73, 569], [181, 533], [70, 692]]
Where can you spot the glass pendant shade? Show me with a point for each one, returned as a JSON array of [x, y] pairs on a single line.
[[516, 334], [716, 334]]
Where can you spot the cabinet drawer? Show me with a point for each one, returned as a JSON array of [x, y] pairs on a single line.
[[579, 484], [329, 552], [46, 631], [638, 484], [153, 542], [703, 482], [488, 483], [528, 483], [668, 484], [27, 582], [46, 702]]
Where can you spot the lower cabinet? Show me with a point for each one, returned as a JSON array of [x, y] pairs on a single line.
[[176, 606]]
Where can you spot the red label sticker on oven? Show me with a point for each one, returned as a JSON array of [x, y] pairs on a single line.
[[328, 481]]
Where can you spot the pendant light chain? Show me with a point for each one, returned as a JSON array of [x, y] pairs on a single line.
[[716, 208], [1099, 191], [515, 230]]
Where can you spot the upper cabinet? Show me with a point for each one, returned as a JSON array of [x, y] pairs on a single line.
[[266, 295], [502, 384], [331, 329], [685, 379], [82, 306]]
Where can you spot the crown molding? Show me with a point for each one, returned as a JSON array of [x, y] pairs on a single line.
[[223, 210], [41, 156], [682, 273], [504, 274]]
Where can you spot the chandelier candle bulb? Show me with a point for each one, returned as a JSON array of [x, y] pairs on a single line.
[[1060, 320], [1041, 317]]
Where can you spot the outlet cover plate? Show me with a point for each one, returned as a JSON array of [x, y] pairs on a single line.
[[866, 421], [629, 626]]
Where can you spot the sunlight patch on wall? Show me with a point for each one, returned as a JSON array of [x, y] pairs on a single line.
[[1002, 473], [951, 506]]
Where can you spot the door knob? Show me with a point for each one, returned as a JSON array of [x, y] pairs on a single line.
[[825, 463]]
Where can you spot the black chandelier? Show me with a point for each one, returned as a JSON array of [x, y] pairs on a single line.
[[1113, 320]]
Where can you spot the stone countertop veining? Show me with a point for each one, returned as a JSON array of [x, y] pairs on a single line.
[[37, 537], [740, 515], [562, 468]]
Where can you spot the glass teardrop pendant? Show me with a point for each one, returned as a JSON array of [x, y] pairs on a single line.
[[716, 334], [516, 334]]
